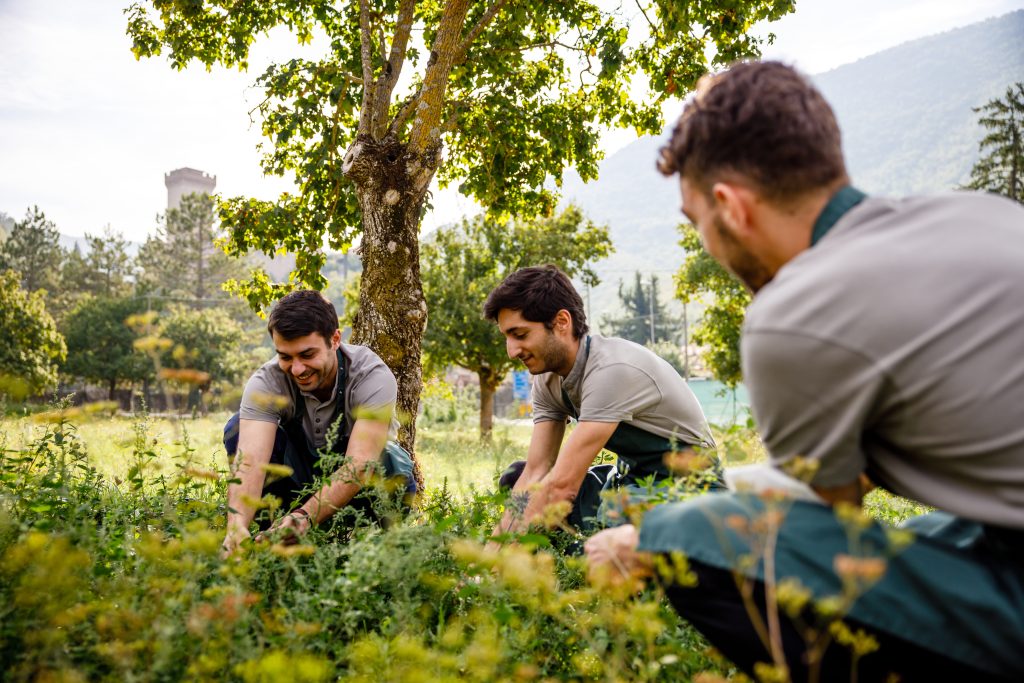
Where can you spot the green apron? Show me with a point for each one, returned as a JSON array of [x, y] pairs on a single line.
[[949, 585], [639, 471]]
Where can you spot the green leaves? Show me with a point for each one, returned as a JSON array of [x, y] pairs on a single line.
[[1000, 166], [524, 100], [719, 329]]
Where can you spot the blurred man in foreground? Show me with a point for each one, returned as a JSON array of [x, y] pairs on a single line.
[[885, 339]]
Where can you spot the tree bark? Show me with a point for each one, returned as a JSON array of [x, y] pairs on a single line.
[[391, 183], [487, 389]]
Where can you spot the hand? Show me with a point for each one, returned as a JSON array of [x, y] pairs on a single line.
[[289, 529], [232, 539], [612, 556]]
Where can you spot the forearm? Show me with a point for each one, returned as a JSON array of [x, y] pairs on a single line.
[[243, 494], [345, 484]]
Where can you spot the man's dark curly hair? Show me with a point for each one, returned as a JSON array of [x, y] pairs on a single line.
[[303, 312], [538, 293], [760, 121]]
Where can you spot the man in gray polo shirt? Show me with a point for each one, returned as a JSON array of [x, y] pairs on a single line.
[[317, 396], [884, 345], [624, 398]]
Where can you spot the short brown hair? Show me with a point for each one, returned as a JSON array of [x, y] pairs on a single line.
[[762, 121], [538, 293], [303, 312]]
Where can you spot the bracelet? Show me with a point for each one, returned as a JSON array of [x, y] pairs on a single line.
[[301, 511]]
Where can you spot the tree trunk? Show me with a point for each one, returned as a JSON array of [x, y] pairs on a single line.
[[487, 389], [391, 184], [113, 388]]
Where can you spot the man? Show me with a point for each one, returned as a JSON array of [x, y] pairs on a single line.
[[624, 398], [884, 343], [318, 396]]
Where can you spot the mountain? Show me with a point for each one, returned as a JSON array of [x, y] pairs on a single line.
[[907, 125]]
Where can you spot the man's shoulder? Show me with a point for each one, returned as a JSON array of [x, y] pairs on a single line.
[[609, 352], [360, 357]]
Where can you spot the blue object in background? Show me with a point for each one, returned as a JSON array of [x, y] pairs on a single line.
[[521, 385]]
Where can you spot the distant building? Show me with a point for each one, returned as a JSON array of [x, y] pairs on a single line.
[[183, 181]]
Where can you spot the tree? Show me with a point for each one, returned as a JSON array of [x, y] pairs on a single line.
[[206, 341], [104, 271], [30, 345], [182, 258], [1000, 169], [719, 329], [639, 323], [517, 91], [101, 345], [462, 264], [33, 251]]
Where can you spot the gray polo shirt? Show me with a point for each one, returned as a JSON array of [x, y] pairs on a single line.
[[270, 395], [619, 381], [895, 346]]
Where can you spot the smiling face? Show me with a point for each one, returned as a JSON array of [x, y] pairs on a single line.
[[311, 361], [540, 349], [721, 241]]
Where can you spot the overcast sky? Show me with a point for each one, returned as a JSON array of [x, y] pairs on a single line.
[[87, 132]]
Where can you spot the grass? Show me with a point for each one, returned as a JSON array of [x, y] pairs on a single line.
[[110, 570]]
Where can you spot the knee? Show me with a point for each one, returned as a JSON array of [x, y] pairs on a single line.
[[231, 435], [511, 475]]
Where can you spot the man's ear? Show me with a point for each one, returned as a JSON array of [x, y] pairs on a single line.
[[734, 204], [563, 321], [335, 340]]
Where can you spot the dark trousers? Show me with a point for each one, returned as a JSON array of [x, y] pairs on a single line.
[[583, 515], [716, 608], [305, 466]]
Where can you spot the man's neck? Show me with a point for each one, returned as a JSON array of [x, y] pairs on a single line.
[[791, 226], [571, 356]]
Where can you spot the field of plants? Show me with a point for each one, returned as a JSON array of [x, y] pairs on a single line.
[[110, 530]]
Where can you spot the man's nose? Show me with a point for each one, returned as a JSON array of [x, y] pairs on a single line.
[[298, 368], [511, 348]]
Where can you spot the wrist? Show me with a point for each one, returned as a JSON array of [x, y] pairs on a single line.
[[302, 513]]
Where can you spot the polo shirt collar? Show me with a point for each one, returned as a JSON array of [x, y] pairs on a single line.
[[841, 202], [575, 376]]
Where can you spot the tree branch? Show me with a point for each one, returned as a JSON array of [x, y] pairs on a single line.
[[654, 31], [366, 53], [478, 28], [404, 112], [426, 132], [393, 69]]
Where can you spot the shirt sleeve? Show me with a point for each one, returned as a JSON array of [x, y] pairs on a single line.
[[372, 387], [617, 393], [545, 407], [814, 399], [264, 400]]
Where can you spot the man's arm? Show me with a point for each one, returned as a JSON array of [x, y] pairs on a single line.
[[365, 446], [813, 401], [563, 479], [255, 446]]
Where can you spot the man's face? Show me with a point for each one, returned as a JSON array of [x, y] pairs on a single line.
[[310, 361], [721, 241], [539, 348]]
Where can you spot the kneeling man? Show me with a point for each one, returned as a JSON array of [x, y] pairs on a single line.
[[317, 396], [884, 344], [624, 398]]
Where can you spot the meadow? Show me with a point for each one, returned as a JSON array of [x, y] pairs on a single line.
[[110, 529]]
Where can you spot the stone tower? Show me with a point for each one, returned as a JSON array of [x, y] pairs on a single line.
[[183, 181]]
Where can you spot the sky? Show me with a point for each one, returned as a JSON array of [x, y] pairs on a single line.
[[87, 132]]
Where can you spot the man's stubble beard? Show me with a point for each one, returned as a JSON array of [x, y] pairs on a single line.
[[739, 261]]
